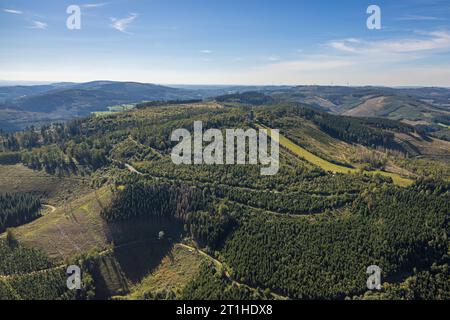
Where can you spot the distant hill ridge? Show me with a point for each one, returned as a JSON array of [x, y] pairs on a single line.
[[21, 106]]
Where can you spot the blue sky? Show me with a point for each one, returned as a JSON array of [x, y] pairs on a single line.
[[227, 42]]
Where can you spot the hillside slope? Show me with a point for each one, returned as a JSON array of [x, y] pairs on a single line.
[[308, 232], [34, 105]]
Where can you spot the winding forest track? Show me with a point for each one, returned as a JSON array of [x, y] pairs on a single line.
[[132, 169], [223, 268], [52, 208], [219, 265], [12, 276]]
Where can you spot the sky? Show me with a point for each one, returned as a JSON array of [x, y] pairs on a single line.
[[245, 42]]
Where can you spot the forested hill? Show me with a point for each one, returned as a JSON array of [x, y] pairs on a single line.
[[34, 105], [425, 108], [81, 99], [350, 193]]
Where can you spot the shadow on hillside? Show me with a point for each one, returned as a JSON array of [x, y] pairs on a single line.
[[139, 247]]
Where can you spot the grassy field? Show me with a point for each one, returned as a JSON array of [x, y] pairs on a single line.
[[174, 272], [114, 109], [328, 166], [52, 189], [69, 230], [321, 144]]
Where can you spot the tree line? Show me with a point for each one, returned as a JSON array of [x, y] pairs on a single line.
[[17, 209]]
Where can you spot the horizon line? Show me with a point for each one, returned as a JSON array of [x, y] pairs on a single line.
[[34, 83]]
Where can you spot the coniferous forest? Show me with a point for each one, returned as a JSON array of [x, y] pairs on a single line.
[[225, 158], [17, 209], [130, 217]]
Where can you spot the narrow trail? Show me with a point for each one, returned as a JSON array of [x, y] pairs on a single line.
[[275, 192], [64, 234], [302, 215], [225, 271], [52, 208], [59, 267], [132, 169], [12, 276], [216, 262]]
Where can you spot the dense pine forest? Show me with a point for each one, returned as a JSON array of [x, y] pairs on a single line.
[[309, 232], [17, 209]]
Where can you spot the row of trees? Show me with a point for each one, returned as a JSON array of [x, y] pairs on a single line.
[[17, 209], [150, 104], [249, 98]]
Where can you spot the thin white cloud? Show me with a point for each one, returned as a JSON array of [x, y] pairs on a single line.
[[39, 25], [342, 46], [435, 40], [12, 11], [353, 40], [427, 42], [206, 51], [412, 17], [122, 24], [353, 75], [94, 5], [272, 58]]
